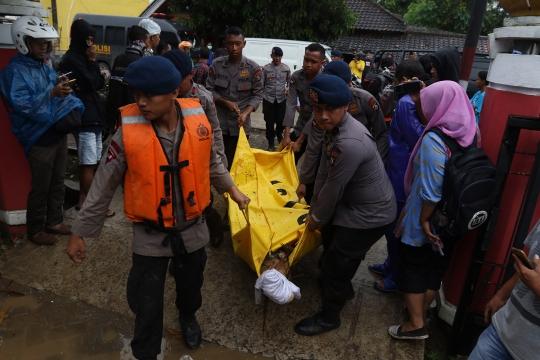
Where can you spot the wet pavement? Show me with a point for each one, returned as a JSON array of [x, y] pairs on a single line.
[[79, 311]]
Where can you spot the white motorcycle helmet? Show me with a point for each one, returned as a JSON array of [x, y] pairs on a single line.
[[31, 26]]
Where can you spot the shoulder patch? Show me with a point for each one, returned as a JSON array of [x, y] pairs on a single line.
[[373, 104], [293, 81], [112, 151], [257, 75]]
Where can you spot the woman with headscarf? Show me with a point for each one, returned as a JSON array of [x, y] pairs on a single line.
[[424, 256], [80, 64]]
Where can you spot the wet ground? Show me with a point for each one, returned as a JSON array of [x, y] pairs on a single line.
[[41, 325]]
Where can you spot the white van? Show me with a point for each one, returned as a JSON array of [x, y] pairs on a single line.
[[259, 49]]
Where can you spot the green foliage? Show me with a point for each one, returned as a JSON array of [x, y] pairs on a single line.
[[452, 15], [397, 6], [309, 20]]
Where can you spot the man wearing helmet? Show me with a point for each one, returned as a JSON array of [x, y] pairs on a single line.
[[37, 100]]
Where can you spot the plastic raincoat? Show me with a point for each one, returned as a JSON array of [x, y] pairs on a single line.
[[25, 85]]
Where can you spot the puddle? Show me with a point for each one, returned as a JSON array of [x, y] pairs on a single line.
[[41, 325]]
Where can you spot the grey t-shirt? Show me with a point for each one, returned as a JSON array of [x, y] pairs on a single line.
[[518, 322]]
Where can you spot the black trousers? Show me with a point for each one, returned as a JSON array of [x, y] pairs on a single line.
[[298, 155], [145, 287], [213, 219], [273, 115], [230, 142], [344, 250], [46, 197]]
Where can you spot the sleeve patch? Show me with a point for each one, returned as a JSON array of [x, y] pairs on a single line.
[[373, 104], [257, 75]]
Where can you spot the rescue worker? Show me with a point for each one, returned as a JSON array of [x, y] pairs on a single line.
[[160, 135], [298, 91], [190, 89], [357, 64], [276, 80], [363, 107], [236, 84], [353, 203]]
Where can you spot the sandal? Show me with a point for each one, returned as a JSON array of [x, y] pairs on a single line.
[[110, 213], [388, 286], [418, 334], [379, 269]]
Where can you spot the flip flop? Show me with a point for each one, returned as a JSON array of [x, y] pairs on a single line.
[[389, 285], [379, 269], [110, 213]]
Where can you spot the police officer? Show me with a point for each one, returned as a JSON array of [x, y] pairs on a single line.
[[164, 155], [276, 78], [189, 89], [236, 84], [298, 90], [336, 55], [363, 107], [353, 202]]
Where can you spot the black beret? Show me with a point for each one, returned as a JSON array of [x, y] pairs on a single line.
[[329, 89], [336, 53], [153, 75], [277, 51], [180, 60], [340, 69]]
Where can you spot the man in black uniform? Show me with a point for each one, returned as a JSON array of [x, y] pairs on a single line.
[[354, 202], [190, 89], [120, 93], [313, 62]]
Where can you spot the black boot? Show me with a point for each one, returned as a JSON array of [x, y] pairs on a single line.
[[216, 239], [191, 331], [317, 324]]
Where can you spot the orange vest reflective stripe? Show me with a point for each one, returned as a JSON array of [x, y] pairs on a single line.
[[148, 186]]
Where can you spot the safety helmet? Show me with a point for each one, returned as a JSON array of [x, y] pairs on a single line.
[[31, 26], [184, 44]]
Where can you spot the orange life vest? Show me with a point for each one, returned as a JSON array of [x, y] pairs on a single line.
[[148, 182]]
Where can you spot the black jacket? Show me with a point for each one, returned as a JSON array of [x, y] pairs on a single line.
[[120, 94], [88, 75]]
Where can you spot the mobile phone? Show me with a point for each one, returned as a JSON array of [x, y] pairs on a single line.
[[72, 82], [407, 87], [524, 259]]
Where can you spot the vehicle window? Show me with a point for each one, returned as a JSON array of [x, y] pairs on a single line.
[[98, 39], [115, 35]]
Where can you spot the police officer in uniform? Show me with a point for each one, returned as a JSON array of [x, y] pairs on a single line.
[[354, 202], [236, 84], [298, 90], [363, 107], [164, 155], [189, 89], [276, 78]]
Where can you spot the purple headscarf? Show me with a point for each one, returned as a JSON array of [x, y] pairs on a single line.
[[446, 106]]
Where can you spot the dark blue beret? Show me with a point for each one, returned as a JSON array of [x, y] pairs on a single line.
[[277, 51], [153, 75], [340, 69], [181, 61], [329, 89], [336, 53]]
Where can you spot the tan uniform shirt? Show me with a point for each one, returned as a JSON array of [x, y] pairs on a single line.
[[207, 102], [352, 184], [110, 174], [365, 109], [243, 86], [276, 80], [298, 89]]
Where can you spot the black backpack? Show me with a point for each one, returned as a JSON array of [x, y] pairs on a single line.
[[468, 190], [382, 89]]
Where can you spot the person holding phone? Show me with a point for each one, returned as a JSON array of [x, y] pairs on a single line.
[[514, 312]]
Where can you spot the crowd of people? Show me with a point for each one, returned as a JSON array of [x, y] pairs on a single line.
[[363, 176]]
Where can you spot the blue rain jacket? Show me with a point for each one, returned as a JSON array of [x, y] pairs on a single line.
[[404, 132], [25, 85]]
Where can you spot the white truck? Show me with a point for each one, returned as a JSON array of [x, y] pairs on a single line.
[[259, 49]]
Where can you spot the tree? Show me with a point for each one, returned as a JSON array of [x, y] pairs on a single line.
[[452, 15], [309, 20], [397, 6]]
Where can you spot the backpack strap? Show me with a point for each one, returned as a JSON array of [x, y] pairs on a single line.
[[450, 142]]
